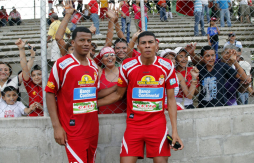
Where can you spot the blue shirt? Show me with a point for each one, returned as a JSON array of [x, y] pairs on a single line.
[[212, 31], [197, 6], [223, 3]]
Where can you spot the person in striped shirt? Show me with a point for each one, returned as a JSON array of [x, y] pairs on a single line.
[[199, 18]]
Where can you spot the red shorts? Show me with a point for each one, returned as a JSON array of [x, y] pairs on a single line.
[[102, 12], [82, 150], [154, 136]]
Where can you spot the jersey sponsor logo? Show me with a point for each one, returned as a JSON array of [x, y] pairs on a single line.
[[65, 63], [120, 81], [161, 79], [86, 79], [148, 80], [147, 93], [85, 107], [84, 93], [9, 113], [172, 81], [147, 106], [51, 85], [94, 64], [130, 64], [165, 64]]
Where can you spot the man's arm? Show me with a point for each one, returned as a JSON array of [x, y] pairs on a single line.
[[59, 133], [132, 43], [172, 112], [110, 33], [113, 97], [191, 50]]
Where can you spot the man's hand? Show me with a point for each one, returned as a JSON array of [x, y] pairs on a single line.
[[20, 43], [135, 35], [60, 135], [176, 138], [38, 106], [190, 48], [31, 50], [194, 73], [68, 7], [92, 28], [232, 53]]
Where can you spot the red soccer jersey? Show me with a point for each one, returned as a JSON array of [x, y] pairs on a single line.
[[146, 89], [35, 95], [75, 87]]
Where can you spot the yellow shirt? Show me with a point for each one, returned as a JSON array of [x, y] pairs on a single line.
[[104, 3], [54, 27]]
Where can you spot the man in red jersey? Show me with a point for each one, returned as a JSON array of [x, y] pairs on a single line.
[[145, 78]]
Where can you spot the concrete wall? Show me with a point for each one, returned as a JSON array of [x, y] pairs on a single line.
[[221, 135]]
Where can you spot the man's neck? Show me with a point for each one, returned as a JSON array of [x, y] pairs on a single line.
[[81, 58], [147, 61]]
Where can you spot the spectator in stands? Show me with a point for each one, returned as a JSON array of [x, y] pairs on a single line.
[[15, 17], [55, 51], [213, 76], [244, 10], [86, 13], [93, 49], [109, 78], [232, 40], [245, 88], [163, 7], [103, 9], [199, 18], [187, 91], [215, 10], [111, 4], [183, 69], [80, 5], [137, 13], [125, 18], [205, 10], [94, 15], [213, 35], [224, 6], [147, 4], [157, 6], [32, 82], [50, 4], [169, 13], [10, 107], [49, 19], [3, 17]]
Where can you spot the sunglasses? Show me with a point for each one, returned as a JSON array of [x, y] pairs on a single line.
[[108, 54], [231, 35]]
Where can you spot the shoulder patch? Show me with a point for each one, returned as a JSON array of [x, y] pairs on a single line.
[[94, 64], [65, 63], [165, 64], [130, 64]]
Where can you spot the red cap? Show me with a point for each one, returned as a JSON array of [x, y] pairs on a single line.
[[213, 18]]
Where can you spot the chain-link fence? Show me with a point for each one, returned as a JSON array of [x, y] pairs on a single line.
[[185, 32]]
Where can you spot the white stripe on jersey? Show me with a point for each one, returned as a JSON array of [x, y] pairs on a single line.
[[94, 156], [73, 153], [125, 145], [132, 69], [171, 71], [55, 74], [121, 71], [153, 61], [163, 140], [162, 70], [75, 58], [67, 72]]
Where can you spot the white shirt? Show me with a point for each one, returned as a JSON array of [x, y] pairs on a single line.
[[204, 2], [16, 110], [244, 2], [86, 13], [236, 43], [13, 82]]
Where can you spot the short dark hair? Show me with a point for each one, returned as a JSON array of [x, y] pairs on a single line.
[[205, 48], [36, 67], [80, 29], [239, 49], [10, 68], [146, 33], [9, 88], [94, 45], [120, 40]]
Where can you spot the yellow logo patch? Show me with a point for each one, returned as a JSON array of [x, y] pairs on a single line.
[[120, 81], [34, 93], [51, 85], [86, 79], [148, 80]]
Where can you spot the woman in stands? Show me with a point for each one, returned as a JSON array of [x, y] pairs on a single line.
[[187, 91], [32, 82], [108, 78], [137, 13], [6, 72], [190, 79]]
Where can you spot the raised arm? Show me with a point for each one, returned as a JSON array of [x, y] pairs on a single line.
[[191, 50], [132, 43], [119, 32], [23, 62], [111, 15]]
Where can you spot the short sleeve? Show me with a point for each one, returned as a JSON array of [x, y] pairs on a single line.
[[122, 79], [28, 84], [67, 30], [51, 30], [21, 107], [53, 81], [171, 80]]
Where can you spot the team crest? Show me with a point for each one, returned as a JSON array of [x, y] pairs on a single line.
[[120, 81], [51, 85], [148, 80], [86, 79], [161, 79]]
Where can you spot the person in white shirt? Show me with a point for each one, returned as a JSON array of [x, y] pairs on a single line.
[[10, 107], [205, 9], [232, 41]]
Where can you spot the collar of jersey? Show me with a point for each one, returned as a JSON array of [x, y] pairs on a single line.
[[142, 63]]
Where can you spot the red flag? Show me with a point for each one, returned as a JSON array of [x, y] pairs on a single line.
[[185, 7]]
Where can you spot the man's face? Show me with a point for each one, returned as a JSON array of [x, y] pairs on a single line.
[[36, 77], [209, 57], [82, 43], [147, 46], [10, 97], [121, 50]]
